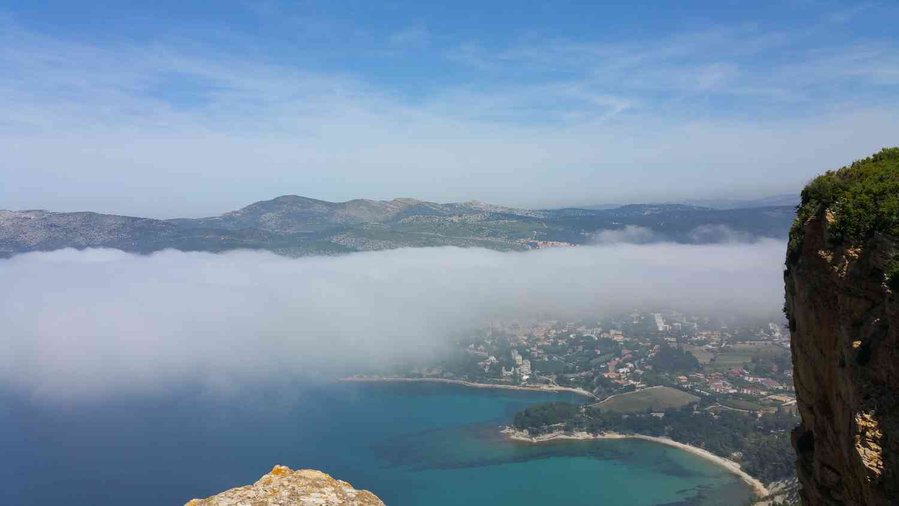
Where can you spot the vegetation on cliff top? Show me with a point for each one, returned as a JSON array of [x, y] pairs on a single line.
[[863, 199]]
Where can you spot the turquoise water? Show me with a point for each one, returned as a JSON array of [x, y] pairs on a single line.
[[411, 444]]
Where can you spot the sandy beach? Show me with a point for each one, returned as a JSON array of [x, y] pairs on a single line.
[[531, 388], [757, 486]]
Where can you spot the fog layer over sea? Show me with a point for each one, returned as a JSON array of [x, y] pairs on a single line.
[[149, 380]]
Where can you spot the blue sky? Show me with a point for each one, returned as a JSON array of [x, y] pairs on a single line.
[[193, 108]]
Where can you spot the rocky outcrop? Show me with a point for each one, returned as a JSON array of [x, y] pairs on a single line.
[[844, 319], [284, 487]]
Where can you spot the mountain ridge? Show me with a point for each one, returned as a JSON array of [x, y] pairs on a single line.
[[295, 225]]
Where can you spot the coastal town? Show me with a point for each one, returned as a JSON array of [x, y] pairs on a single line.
[[722, 387], [741, 365]]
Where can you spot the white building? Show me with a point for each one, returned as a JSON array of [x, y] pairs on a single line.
[[660, 322]]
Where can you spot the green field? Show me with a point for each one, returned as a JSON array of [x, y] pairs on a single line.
[[740, 354], [702, 355], [648, 399]]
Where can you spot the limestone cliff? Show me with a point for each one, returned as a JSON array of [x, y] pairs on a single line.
[[841, 300], [284, 487]]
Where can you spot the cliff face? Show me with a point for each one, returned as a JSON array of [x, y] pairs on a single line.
[[844, 318], [284, 487]]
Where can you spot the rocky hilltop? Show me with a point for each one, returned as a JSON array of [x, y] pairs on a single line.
[[284, 487], [842, 280]]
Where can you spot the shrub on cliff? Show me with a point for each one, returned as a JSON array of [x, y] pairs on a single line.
[[892, 274], [863, 199]]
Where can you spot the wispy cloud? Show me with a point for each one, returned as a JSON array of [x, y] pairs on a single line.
[[765, 68], [412, 37]]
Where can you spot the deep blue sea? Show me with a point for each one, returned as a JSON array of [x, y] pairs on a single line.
[[411, 444]]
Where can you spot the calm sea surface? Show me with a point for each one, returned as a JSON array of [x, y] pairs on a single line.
[[411, 444]]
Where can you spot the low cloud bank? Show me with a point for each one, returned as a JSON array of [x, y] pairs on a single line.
[[630, 234], [703, 234], [98, 322]]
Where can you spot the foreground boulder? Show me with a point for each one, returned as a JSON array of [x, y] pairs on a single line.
[[285, 487]]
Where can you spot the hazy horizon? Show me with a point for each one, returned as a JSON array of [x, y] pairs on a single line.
[[700, 202], [170, 110]]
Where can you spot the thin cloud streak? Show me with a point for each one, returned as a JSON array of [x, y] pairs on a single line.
[[96, 323]]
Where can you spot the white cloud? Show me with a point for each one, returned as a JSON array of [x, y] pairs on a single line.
[[703, 234], [630, 234], [718, 234], [103, 322]]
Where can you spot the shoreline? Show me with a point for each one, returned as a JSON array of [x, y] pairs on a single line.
[[470, 384], [758, 488]]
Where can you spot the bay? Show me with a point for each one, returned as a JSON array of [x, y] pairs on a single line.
[[409, 443]]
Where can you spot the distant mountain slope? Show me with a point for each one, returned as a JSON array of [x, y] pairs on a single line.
[[784, 199], [293, 214], [294, 225]]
